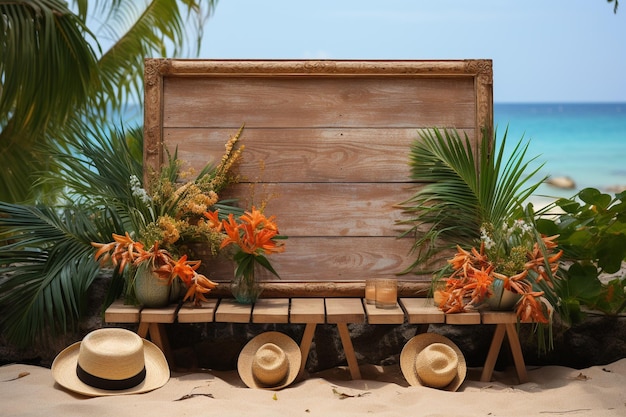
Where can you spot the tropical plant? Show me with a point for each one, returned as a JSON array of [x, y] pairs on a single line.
[[46, 258], [459, 191], [511, 259], [58, 78], [168, 217], [126, 252], [55, 134], [592, 229]]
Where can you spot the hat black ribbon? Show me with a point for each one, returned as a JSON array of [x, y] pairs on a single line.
[[110, 384]]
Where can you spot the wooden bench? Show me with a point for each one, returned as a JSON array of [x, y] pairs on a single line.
[[314, 311]]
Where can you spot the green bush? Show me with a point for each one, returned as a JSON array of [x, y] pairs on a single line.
[[592, 229]]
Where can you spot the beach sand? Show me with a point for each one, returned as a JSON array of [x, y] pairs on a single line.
[[552, 390]]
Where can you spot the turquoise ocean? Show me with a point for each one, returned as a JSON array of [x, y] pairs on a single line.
[[585, 142]]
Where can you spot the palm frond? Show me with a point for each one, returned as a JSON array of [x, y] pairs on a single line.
[[46, 269], [459, 191]]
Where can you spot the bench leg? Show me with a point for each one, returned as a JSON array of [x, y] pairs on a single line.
[[156, 333], [305, 344], [516, 351], [494, 350], [348, 349]]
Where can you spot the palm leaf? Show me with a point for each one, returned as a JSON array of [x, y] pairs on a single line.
[[459, 191], [47, 268]]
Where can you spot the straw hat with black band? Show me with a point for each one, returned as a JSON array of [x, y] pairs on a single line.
[[270, 360], [111, 361], [433, 360]]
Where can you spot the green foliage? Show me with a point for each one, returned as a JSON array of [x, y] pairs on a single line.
[[462, 190], [592, 229], [46, 267], [46, 253], [56, 79]]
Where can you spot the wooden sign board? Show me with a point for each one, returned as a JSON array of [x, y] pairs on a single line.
[[326, 148]]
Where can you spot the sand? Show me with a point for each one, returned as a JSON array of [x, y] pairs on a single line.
[[552, 391]]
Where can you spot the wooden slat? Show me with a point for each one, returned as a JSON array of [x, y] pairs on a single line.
[[344, 310], [497, 317], [159, 315], [463, 318], [307, 310], [311, 101], [335, 203], [422, 311], [204, 313], [118, 312], [229, 310], [300, 156], [317, 259], [271, 310], [383, 315]]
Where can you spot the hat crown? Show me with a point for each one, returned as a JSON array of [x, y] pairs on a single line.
[[270, 365], [436, 365], [112, 353]]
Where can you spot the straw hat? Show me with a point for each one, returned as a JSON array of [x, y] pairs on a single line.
[[270, 360], [111, 361], [433, 360]]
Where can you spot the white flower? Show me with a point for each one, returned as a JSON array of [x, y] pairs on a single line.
[[137, 190]]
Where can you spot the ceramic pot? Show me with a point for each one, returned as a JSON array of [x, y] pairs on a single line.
[[502, 299], [150, 290]]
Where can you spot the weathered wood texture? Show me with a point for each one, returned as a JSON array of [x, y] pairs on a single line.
[[326, 147]]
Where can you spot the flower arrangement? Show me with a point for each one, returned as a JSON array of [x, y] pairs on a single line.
[[166, 218], [514, 257], [254, 236], [125, 251]]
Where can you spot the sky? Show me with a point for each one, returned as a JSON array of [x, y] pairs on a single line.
[[542, 50]]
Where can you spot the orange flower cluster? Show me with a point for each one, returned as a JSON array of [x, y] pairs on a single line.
[[473, 274], [255, 236], [254, 233], [125, 251]]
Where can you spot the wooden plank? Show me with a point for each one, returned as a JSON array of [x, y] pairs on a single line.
[[314, 259], [497, 317], [159, 315], [229, 310], [303, 155], [204, 313], [348, 209], [383, 315], [307, 310], [422, 310], [344, 310], [298, 102], [463, 318], [118, 312], [271, 310]]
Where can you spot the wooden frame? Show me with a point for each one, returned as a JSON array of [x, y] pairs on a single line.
[[334, 135]]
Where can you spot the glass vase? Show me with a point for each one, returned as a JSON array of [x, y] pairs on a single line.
[[245, 287]]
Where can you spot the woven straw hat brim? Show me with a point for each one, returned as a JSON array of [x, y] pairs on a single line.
[[64, 372], [414, 346], [287, 344]]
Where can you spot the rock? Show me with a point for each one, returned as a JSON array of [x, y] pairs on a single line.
[[565, 183]]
